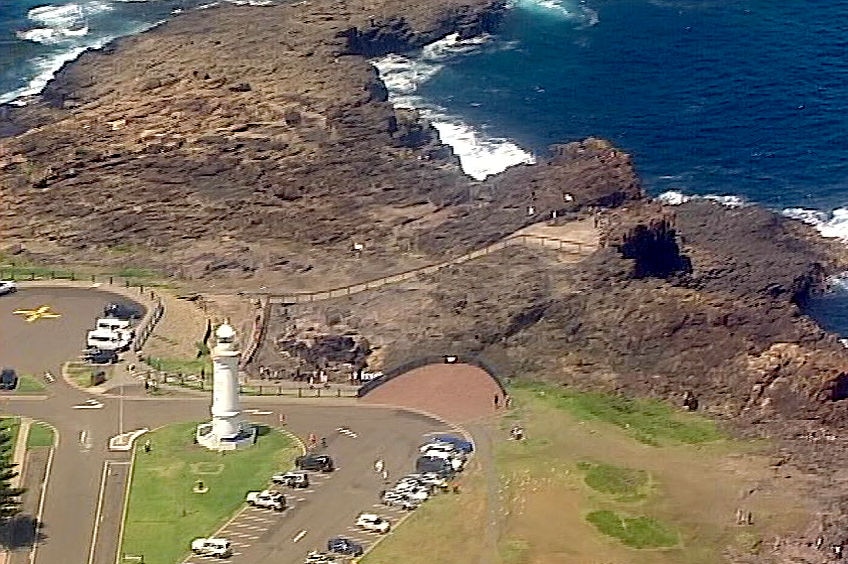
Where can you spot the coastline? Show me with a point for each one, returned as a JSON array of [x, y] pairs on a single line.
[[243, 147]]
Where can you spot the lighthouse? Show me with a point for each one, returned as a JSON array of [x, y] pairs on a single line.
[[227, 430]]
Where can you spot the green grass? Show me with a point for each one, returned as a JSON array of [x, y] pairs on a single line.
[[636, 532], [179, 365], [648, 421], [13, 426], [40, 435], [28, 384], [164, 515], [625, 484]]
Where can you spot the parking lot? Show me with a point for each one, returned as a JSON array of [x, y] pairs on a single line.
[[327, 508], [30, 346]]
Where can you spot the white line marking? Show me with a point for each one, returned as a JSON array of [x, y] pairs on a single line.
[[44, 492], [299, 536], [98, 514]]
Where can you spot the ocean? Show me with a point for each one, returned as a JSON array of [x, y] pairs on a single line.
[[745, 101]]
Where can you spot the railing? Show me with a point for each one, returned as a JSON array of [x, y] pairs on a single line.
[[202, 383], [149, 325], [258, 334], [563, 245]]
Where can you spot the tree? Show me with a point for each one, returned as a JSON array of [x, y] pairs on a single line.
[[10, 502]]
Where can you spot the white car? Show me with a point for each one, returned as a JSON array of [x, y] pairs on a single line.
[[456, 461], [108, 340], [445, 447], [113, 324], [8, 287], [373, 522], [414, 492], [212, 547], [267, 499]]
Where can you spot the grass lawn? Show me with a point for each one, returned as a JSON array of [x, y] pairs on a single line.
[[649, 421], [638, 532], [625, 484], [40, 435], [12, 425], [566, 493], [184, 366], [164, 515], [28, 384]]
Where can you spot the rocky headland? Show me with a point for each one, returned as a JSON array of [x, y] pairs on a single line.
[[244, 148]]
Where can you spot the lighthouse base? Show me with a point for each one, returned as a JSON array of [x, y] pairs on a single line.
[[206, 436]]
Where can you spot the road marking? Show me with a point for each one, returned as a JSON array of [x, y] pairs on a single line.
[[98, 514], [40, 514], [41, 312], [346, 431], [258, 412], [299, 536]]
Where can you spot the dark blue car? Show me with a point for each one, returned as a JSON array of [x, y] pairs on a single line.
[[343, 545], [458, 442]]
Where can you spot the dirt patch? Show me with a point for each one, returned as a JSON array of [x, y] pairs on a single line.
[[456, 392]]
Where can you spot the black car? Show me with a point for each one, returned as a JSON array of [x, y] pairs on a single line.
[[97, 356], [342, 545], [8, 379], [320, 462], [438, 466], [122, 311]]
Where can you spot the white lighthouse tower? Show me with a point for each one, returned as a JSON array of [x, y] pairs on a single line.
[[227, 430]]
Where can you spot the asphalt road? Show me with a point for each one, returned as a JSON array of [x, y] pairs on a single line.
[[87, 481]]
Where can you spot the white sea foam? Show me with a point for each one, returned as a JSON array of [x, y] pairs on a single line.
[[575, 11], [832, 225], [45, 67], [480, 154], [676, 198]]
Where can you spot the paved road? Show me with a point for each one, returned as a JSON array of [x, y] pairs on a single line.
[[88, 480]]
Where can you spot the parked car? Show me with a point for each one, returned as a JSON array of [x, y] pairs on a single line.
[[344, 545], [212, 547], [121, 311], [373, 522], [97, 356], [458, 442], [8, 379], [292, 479], [428, 479], [396, 499], [315, 557], [438, 466], [267, 499], [8, 287], [457, 462], [320, 462], [114, 324], [107, 340]]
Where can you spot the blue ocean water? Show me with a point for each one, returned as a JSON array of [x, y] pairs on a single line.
[[746, 98], [37, 37], [741, 97]]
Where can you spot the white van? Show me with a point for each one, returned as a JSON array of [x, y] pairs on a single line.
[[112, 323], [107, 340]]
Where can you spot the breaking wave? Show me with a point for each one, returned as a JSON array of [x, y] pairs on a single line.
[[480, 154]]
